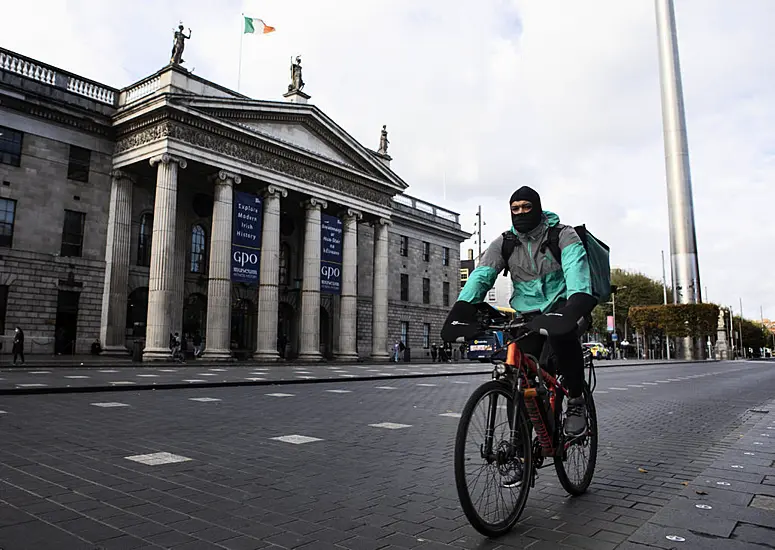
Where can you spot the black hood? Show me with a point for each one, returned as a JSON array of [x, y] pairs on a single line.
[[525, 223]]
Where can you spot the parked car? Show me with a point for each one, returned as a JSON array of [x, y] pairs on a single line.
[[599, 351]]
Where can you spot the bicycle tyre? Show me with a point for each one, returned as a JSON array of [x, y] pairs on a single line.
[[577, 489], [480, 524]]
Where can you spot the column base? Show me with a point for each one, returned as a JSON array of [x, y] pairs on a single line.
[[267, 356], [217, 355], [345, 357], [114, 351], [382, 356], [310, 356], [157, 354]]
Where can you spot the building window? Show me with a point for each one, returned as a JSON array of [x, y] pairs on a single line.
[[7, 218], [404, 287], [426, 335], [464, 273], [445, 294], [78, 164], [426, 252], [426, 291], [445, 256], [198, 247], [144, 240], [284, 261], [405, 332], [404, 245], [3, 306], [10, 146], [72, 233]]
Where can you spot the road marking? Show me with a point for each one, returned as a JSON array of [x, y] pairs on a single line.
[[427, 385], [103, 370], [109, 404], [296, 439], [620, 389], [255, 379], [123, 383], [207, 374], [204, 399], [148, 375], [156, 459], [3, 412], [460, 382], [347, 375], [160, 370], [307, 377], [386, 388], [451, 415], [601, 391], [280, 394], [390, 425], [46, 372], [219, 370], [339, 391], [634, 386], [650, 383], [194, 380], [76, 376], [663, 381], [31, 385]]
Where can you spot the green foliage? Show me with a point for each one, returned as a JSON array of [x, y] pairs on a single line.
[[640, 291], [754, 334], [677, 320]]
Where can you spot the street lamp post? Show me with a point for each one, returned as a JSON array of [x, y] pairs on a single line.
[[614, 290]]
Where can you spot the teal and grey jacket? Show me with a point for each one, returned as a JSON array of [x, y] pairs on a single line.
[[540, 283]]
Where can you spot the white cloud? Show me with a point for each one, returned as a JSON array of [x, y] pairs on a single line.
[[485, 97]]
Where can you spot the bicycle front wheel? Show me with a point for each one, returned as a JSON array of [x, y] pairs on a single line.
[[493, 470]]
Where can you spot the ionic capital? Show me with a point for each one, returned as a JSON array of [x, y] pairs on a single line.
[[224, 177], [166, 158], [314, 204], [272, 191], [356, 215], [376, 222], [122, 175]]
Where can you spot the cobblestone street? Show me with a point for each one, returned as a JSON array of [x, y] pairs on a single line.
[[368, 465]]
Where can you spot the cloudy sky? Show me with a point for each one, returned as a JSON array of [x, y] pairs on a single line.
[[483, 97]]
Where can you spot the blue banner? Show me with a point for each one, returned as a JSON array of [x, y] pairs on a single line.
[[246, 238], [331, 229]]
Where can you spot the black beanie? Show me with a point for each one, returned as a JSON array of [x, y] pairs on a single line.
[[526, 222]]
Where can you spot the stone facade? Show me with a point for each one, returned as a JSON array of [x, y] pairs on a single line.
[[292, 148]]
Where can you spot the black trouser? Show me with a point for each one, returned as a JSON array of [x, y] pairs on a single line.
[[17, 354], [568, 357]]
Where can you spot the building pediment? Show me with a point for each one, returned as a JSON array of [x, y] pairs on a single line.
[[304, 128]]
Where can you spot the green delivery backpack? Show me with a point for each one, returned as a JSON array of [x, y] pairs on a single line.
[[597, 254]]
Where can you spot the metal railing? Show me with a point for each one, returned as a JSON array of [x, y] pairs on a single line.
[[426, 207], [46, 74]]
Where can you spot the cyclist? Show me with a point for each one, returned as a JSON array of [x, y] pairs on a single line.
[[564, 292]]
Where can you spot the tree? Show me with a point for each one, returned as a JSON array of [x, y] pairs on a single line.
[[755, 335], [679, 320], [640, 291]]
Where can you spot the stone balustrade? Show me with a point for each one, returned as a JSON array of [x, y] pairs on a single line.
[[426, 207], [40, 72], [142, 89]]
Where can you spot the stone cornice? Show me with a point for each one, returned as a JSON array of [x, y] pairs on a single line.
[[248, 149], [85, 122]]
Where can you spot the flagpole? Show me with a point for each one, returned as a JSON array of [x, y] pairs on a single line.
[[241, 40]]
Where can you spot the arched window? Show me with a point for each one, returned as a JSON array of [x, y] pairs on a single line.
[[144, 240], [198, 246], [285, 264]]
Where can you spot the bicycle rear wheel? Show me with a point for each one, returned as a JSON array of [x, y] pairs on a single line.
[[493, 478], [576, 466]]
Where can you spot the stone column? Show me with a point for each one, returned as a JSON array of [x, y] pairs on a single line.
[[379, 304], [269, 276], [117, 255], [309, 349], [218, 344], [180, 269], [348, 302], [161, 281]]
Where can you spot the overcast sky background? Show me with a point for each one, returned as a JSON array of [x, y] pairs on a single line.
[[481, 98]]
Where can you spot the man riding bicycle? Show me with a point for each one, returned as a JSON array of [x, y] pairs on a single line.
[[563, 293]]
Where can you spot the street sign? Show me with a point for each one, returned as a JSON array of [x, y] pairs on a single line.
[[614, 337]]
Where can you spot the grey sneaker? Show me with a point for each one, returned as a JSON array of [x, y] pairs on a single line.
[[513, 479], [576, 417]]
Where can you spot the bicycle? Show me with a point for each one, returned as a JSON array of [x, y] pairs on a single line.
[[533, 399]]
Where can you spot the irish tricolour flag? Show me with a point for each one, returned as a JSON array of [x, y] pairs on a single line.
[[253, 25]]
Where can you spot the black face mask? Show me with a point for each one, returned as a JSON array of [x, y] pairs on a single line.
[[526, 222]]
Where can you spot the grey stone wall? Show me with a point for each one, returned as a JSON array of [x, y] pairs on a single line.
[[33, 267]]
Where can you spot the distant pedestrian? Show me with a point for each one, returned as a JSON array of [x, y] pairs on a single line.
[[197, 341], [434, 353], [396, 350], [18, 345]]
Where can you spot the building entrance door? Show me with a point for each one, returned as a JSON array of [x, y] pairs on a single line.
[[66, 322]]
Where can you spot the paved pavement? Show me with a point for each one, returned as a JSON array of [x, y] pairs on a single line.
[[97, 376], [368, 465]]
